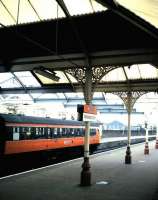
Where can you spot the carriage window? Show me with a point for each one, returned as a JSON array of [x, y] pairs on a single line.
[[59, 132], [55, 132], [78, 132], [16, 133], [52, 132], [36, 131], [15, 129], [68, 133], [33, 133], [92, 131], [28, 133], [46, 132], [42, 134], [23, 131], [39, 132], [63, 131], [81, 132], [71, 131], [49, 133]]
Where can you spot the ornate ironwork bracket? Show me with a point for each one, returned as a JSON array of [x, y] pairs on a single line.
[[129, 98], [89, 77], [98, 73]]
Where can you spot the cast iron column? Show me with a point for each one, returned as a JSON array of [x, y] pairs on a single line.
[[129, 98], [146, 149], [86, 173], [156, 143], [88, 77], [128, 158], [88, 94]]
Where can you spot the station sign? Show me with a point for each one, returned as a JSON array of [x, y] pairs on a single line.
[[89, 117], [89, 109], [86, 112]]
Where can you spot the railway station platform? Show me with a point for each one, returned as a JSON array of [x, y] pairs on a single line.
[[113, 139], [111, 179]]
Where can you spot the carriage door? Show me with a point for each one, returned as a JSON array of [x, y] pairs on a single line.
[[2, 137]]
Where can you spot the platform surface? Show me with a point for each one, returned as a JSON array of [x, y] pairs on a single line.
[[113, 139], [137, 181]]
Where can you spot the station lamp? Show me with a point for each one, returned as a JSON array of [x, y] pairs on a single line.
[[48, 73]]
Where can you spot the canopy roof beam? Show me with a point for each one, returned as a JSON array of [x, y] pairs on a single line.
[[104, 58], [34, 10], [65, 10], [8, 11], [150, 85]]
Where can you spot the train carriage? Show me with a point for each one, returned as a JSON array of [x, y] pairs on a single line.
[[24, 134]]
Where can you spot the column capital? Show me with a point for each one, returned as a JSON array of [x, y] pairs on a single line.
[[129, 98], [89, 77]]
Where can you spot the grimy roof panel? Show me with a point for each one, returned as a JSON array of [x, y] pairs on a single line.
[[99, 31], [104, 31]]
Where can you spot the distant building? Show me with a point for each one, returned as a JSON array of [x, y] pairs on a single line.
[[115, 125]]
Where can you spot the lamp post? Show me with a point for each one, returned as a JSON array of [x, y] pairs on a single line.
[[156, 145], [146, 149]]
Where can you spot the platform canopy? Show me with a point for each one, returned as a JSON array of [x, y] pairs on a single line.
[[52, 36], [62, 34], [15, 12]]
